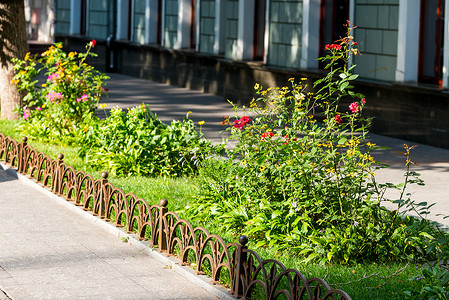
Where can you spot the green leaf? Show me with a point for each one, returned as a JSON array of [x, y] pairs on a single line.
[[344, 85]]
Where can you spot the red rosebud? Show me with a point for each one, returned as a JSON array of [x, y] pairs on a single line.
[[338, 119], [93, 42]]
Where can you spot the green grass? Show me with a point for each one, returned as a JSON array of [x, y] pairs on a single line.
[[363, 281]]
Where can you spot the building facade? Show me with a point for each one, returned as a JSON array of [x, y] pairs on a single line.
[[226, 46]]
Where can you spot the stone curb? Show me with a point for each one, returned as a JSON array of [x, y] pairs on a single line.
[[171, 262]]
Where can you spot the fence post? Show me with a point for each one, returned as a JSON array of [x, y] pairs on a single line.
[[162, 242], [56, 181], [238, 286], [21, 155], [103, 195]]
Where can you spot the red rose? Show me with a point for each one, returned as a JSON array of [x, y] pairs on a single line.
[[338, 119]]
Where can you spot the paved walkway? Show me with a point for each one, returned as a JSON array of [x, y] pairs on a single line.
[[50, 249], [173, 103]]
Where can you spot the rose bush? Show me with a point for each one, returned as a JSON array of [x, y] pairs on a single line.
[[301, 176]]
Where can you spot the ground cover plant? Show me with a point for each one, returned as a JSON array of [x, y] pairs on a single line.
[[137, 142], [299, 182]]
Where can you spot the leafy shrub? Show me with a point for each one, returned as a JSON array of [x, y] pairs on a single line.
[[58, 109], [301, 176], [137, 142]]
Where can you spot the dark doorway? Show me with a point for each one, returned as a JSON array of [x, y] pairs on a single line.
[[334, 14], [431, 42], [259, 29]]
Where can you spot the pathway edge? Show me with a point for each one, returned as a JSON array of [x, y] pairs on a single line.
[[172, 262]]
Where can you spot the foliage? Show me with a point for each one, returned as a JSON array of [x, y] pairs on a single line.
[[301, 175], [138, 143], [435, 284], [58, 109]]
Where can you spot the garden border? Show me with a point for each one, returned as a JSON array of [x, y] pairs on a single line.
[[165, 229]]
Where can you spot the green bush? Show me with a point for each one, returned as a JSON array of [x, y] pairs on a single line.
[[58, 109], [306, 183], [138, 143]]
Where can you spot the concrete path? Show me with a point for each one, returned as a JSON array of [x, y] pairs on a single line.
[[171, 102], [48, 251]]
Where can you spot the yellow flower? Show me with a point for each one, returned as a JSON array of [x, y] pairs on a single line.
[[201, 123], [43, 105], [101, 106], [44, 84], [23, 72], [72, 54], [189, 112], [27, 56], [262, 168], [59, 46], [350, 152], [256, 86], [291, 79], [303, 79]]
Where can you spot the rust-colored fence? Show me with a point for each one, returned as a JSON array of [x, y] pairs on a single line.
[[247, 274]]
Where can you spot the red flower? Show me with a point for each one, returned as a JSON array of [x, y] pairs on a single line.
[[287, 139], [338, 119], [93, 42], [245, 120], [354, 107], [332, 47], [266, 134], [363, 101], [240, 124]]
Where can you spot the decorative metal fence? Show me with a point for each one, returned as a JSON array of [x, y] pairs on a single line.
[[242, 269]]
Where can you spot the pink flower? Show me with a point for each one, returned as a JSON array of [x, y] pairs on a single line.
[[240, 124], [93, 42], [266, 134], [54, 97], [53, 77], [83, 98], [38, 108], [26, 114], [363, 101], [338, 119], [354, 107]]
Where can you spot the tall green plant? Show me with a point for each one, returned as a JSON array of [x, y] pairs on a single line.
[[300, 175], [58, 107]]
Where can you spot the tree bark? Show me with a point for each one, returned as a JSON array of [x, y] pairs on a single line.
[[13, 44]]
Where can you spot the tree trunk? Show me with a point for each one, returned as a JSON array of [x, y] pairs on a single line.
[[13, 44]]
